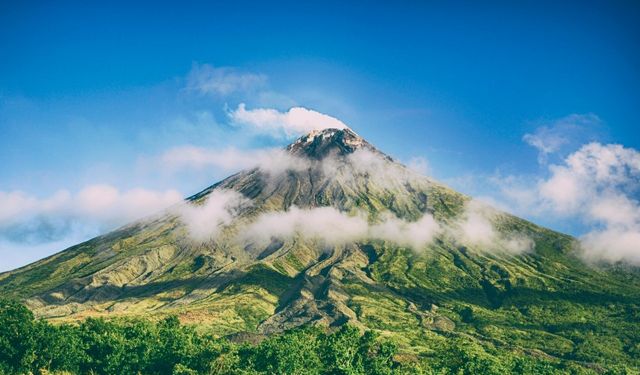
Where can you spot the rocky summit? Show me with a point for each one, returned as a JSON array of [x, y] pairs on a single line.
[[331, 231]]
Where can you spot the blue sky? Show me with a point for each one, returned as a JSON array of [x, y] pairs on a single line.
[[93, 95]]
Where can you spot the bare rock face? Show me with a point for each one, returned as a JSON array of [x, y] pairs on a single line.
[[322, 143]]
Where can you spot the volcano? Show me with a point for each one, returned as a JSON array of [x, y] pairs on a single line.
[[333, 231]]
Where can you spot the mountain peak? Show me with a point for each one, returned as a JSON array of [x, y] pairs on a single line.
[[320, 143], [343, 238]]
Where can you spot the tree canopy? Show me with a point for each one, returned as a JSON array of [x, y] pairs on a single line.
[[98, 346]]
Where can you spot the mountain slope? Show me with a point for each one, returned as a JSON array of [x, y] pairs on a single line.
[[540, 298]]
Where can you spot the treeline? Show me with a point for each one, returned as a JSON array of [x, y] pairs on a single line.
[[97, 346]]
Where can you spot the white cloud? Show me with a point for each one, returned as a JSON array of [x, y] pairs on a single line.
[[562, 192], [415, 234], [476, 227], [224, 81], [295, 121], [588, 176], [614, 209], [612, 245], [419, 165], [546, 140], [365, 162], [550, 137], [112, 206], [322, 223], [17, 205], [24, 217], [333, 227], [273, 161], [205, 220], [608, 182], [597, 185]]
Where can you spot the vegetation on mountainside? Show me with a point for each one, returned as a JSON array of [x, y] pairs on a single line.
[[97, 346]]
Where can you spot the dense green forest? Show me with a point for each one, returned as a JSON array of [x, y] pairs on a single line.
[[97, 346]]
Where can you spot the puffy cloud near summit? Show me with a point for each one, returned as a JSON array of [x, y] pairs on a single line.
[[295, 121]]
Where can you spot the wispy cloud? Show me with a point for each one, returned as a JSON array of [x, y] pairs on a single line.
[[205, 220], [295, 121], [419, 165], [476, 227], [223, 81], [25, 218], [272, 160], [364, 162], [552, 136], [334, 227]]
